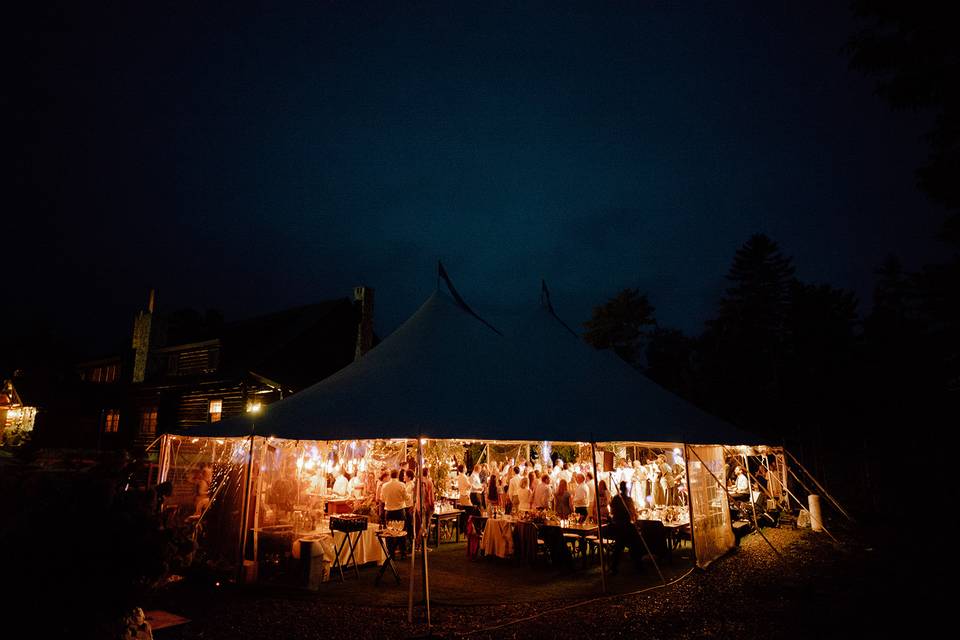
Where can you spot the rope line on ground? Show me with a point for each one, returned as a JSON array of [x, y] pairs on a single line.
[[579, 604]]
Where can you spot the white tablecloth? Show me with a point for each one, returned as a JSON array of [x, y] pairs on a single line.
[[367, 547], [497, 538]]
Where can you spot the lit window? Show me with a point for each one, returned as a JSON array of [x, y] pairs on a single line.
[[111, 421], [148, 420], [216, 410]]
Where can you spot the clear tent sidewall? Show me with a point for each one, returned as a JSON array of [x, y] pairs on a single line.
[[241, 464]]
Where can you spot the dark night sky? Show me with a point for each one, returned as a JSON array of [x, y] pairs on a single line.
[[250, 159]]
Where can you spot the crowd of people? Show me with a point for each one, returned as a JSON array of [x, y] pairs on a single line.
[[568, 488]]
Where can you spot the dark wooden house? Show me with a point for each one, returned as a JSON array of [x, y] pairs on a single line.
[[182, 370]]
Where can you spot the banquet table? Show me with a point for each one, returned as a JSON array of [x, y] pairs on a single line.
[[498, 538], [449, 516]]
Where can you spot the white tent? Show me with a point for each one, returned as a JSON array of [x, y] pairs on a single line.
[[447, 374]]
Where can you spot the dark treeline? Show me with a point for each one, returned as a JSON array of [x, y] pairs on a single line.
[[865, 394], [795, 363]]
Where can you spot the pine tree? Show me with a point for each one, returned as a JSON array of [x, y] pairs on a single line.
[[623, 323]]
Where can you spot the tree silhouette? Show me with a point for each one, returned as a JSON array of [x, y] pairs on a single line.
[[744, 347], [914, 50], [623, 323]]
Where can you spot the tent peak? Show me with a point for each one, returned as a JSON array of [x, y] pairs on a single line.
[[442, 274], [547, 305]]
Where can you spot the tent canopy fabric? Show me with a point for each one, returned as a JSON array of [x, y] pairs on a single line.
[[445, 373]]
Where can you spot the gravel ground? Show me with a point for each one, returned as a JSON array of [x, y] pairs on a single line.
[[816, 587]]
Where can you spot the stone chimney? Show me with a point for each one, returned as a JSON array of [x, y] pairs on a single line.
[[363, 300], [142, 325]]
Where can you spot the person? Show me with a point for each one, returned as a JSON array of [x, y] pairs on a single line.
[[603, 499], [523, 496], [341, 484], [355, 486], [378, 495], [581, 497], [742, 486], [543, 495], [283, 493], [667, 482], [563, 501], [201, 488], [513, 491], [463, 486], [409, 488], [626, 475], [394, 503], [493, 492], [591, 488], [761, 477], [653, 482], [625, 534], [638, 491], [476, 487]]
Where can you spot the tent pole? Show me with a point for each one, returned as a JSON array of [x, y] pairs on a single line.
[[820, 486], [424, 532], [596, 507], [243, 511], [162, 459], [413, 552], [686, 463]]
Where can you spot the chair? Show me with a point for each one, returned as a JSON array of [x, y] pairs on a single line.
[[593, 545], [573, 542]]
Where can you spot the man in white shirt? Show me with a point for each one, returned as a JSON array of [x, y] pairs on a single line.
[[743, 482], [394, 496], [476, 487], [543, 494], [341, 485], [513, 489]]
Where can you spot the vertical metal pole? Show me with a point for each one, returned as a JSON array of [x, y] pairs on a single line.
[[686, 463], [243, 510], [162, 459], [596, 507], [424, 532], [413, 552]]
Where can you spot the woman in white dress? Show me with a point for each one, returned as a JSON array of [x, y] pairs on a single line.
[[638, 491]]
